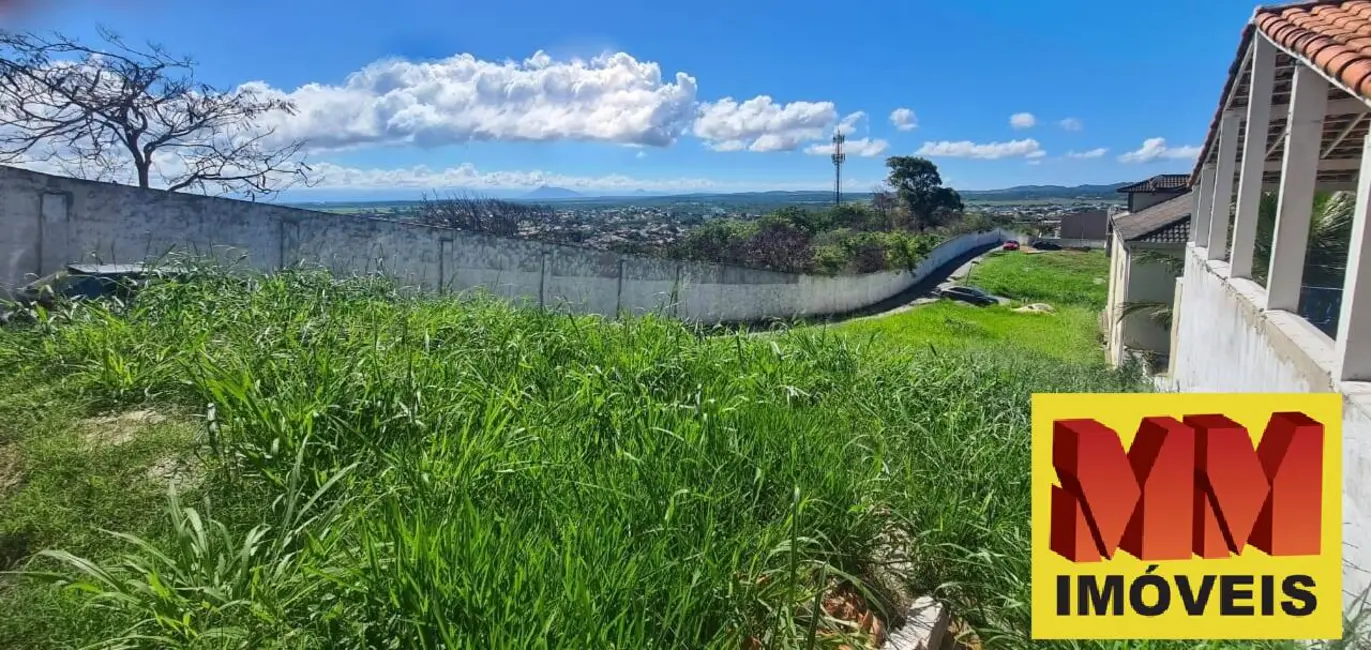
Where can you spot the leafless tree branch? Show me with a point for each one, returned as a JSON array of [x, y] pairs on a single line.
[[481, 214], [123, 112]]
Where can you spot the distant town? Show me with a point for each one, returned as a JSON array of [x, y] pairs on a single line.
[[643, 221]]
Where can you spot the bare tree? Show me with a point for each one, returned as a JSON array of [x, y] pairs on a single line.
[[482, 214], [124, 114], [883, 201]]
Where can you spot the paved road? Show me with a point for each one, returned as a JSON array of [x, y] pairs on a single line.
[[925, 288]]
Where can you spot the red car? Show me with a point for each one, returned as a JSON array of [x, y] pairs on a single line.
[[1011, 246]]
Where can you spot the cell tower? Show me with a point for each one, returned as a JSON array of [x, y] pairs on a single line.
[[838, 159]]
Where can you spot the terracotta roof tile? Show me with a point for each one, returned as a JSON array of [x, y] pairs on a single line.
[[1333, 36]]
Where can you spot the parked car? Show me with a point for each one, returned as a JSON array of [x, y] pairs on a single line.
[[1046, 245], [82, 282], [970, 295], [1011, 246]]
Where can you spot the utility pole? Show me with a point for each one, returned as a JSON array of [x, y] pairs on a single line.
[[838, 159]]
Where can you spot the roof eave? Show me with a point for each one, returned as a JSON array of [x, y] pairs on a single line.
[[1233, 69]]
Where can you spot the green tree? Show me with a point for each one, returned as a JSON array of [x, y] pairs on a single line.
[[919, 189]]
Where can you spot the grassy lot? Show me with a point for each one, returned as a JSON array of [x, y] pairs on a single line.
[[1054, 277], [1064, 280], [310, 463]]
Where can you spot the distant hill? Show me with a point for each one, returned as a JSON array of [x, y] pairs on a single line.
[[1031, 192], [760, 201], [548, 192]]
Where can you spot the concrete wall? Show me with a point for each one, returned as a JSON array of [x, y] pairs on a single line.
[[48, 221], [1226, 343]]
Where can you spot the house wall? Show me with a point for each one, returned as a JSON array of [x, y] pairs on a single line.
[[48, 221], [1226, 342], [1138, 201], [1092, 225], [1148, 282]]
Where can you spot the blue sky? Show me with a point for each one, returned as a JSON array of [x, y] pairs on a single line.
[[400, 96]]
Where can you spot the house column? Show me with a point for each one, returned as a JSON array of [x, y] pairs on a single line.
[[1299, 173], [1223, 185], [1253, 157], [1352, 358], [1199, 232]]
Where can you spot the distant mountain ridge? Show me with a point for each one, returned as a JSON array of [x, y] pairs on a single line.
[[548, 192], [1026, 192]]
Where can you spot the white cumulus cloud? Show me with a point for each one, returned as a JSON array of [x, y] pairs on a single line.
[[1157, 149], [1072, 124], [1022, 120], [865, 147], [610, 98], [1093, 153], [762, 124], [848, 125], [1027, 148], [904, 119]]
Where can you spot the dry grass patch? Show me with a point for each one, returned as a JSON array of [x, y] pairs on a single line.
[[119, 428], [11, 472]]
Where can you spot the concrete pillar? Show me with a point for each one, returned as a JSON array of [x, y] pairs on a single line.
[[1223, 185], [1352, 358], [542, 279], [1299, 173], [54, 233], [1253, 156], [1200, 225]]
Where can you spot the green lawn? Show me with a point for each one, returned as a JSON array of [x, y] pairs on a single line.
[[1065, 280], [1054, 277], [1069, 334]]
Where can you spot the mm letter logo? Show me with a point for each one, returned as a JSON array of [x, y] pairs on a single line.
[[1187, 516], [1187, 486]]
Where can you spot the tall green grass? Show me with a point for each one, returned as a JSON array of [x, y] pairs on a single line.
[[382, 470]]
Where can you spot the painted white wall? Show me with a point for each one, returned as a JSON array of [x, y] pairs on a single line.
[[1226, 343], [48, 221], [1148, 282], [1118, 295]]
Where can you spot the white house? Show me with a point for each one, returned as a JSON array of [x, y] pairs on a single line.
[[1138, 275], [1291, 118]]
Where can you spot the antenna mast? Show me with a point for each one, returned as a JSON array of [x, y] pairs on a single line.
[[838, 159]]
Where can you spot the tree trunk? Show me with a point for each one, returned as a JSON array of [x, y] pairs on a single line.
[[143, 169]]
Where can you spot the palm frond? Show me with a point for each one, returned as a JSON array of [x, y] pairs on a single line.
[[1174, 264], [1155, 310], [1330, 232]]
